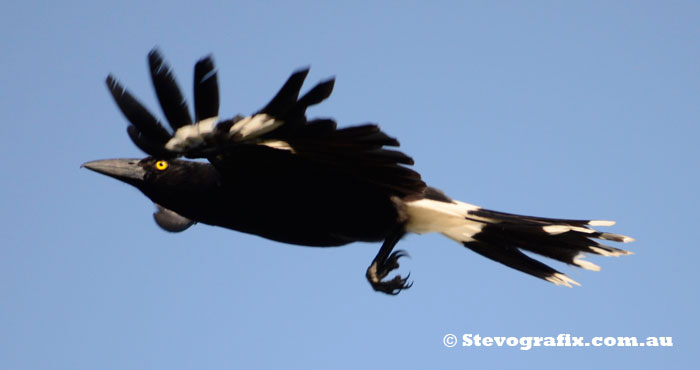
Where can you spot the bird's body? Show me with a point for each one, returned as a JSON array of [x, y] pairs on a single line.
[[283, 201], [283, 177]]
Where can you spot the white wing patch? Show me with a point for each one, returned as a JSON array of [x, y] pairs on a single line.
[[278, 144], [192, 136], [195, 136], [253, 126]]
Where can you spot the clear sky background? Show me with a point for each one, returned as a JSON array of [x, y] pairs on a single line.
[[586, 110]]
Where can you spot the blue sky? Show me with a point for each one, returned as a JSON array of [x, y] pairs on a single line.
[[557, 109]]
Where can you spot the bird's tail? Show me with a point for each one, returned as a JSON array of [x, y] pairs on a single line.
[[503, 236]]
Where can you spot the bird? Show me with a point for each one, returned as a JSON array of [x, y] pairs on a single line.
[[285, 177]]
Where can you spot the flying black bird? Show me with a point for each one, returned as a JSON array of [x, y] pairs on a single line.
[[281, 176]]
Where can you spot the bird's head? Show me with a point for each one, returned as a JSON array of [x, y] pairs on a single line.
[[177, 187], [162, 180]]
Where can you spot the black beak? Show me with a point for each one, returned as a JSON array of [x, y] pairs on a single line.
[[127, 170]]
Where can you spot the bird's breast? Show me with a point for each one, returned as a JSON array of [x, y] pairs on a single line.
[[303, 213]]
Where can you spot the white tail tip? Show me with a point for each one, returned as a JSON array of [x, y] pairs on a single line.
[[556, 229], [588, 265], [561, 279], [601, 223]]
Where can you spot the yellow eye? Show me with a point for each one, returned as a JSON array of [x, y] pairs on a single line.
[[161, 165]]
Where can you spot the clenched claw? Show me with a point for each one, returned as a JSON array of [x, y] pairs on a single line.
[[393, 260], [377, 272], [393, 286]]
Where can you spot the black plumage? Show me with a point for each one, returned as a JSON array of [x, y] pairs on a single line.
[[174, 105], [284, 177], [206, 90]]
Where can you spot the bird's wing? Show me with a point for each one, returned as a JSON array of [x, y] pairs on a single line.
[[280, 128]]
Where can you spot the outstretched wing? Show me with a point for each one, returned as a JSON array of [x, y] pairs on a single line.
[[280, 128]]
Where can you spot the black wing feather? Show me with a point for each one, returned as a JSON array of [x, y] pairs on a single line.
[[137, 114], [206, 89], [146, 145], [358, 153], [316, 95], [169, 95], [319, 93], [287, 96]]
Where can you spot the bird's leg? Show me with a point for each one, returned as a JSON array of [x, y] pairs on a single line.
[[385, 262]]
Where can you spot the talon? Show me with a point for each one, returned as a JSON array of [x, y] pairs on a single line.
[[392, 262], [383, 265], [399, 253], [393, 286], [404, 282]]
